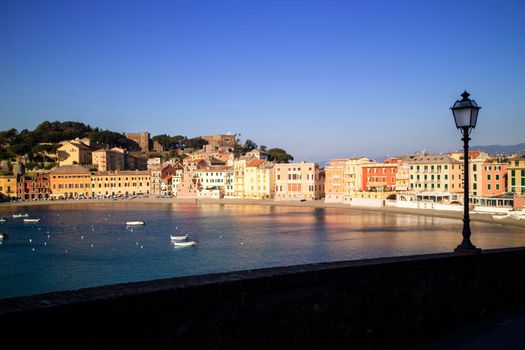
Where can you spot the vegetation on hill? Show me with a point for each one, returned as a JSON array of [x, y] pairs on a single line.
[[45, 138]]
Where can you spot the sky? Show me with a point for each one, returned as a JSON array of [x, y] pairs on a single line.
[[321, 79]]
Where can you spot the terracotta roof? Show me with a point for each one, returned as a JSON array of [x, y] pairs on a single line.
[[255, 162], [70, 169]]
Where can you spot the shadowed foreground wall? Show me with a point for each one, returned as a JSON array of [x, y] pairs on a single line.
[[377, 303]]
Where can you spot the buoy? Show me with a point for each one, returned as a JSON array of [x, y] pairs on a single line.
[[66, 251], [33, 249], [45, 243], [81, 237], [91, 245], [141, 246], [30, 240]]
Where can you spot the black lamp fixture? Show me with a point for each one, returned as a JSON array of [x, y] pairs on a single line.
[[466, 116]]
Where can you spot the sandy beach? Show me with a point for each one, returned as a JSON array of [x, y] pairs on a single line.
[[487, 218]]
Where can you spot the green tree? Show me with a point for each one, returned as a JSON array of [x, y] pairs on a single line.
[[279, 155]]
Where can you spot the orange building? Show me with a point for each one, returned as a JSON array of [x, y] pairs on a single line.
[[334, 180], [379, 177], [70, 181]]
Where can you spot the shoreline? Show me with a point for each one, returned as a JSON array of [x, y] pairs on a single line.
[[458, 215]]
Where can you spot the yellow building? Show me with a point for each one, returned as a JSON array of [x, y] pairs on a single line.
[[120, 183], [109, 159], [259, 179], [335, 178], [72, 152], [239, 168], [8, 186], [516, 174], [70, 181], [353, 177], [299, 181]]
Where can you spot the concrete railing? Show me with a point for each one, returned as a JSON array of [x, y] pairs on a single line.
[[378, 303]]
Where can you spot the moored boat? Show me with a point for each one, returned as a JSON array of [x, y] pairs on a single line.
[[178, 238], [31, 220], [3, 236], [184, 244], [3, 219], [25, 215], [135, 223]]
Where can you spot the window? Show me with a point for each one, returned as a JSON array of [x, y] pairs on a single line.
[[488, 186], [488, 176]]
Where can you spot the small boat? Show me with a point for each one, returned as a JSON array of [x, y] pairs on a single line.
[[178, 238], [3, 236], [499, 216], [31, 220], [25, 215], [184, 244], [135, 223], [3, 219]]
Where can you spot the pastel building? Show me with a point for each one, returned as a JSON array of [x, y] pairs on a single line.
[[259, 179], [109, 159], [239, 168], [353, 177], [436, 178], [73, 152], [70, 181], [120, 183], [298, 181], [379, 177], [158, 177], [516, 175], [335, 180], [8, 186], [36, 186]]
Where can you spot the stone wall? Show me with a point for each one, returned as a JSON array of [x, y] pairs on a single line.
[[366, 304]]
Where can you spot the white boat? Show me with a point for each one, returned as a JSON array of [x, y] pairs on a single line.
[[499, 216], [3, 236], [3, 220], [135, 223], [178, 238], [31, 220], [184, 244], [20, 215]]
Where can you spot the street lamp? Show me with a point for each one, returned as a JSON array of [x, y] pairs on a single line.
[[466, 116]]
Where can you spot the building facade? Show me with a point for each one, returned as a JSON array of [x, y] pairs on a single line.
[[120, 183], [516, 175], [299, 181], [33, 187], [334, 183], [72, 152], [259, 179], [70, 181], [8, 186]]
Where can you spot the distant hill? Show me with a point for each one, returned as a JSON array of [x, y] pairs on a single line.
[[499, 149]]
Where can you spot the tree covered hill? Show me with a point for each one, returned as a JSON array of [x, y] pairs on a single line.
[[25, 142]]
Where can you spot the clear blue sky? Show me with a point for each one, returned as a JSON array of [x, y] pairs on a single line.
[[319, 78]]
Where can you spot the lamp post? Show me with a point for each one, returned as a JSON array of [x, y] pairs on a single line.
[[466, 115]]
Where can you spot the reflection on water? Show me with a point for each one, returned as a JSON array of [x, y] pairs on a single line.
[[84, 245]]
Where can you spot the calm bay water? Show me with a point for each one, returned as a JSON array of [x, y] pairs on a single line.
[[85, 245]]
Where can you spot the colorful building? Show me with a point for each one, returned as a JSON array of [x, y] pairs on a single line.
[[435, 178], [335, 180], [516, 175], [379, 177], [299, 181], [35, 186], [74, 152], [120, 183], [109, 159], [157, 175], [353, 179], [8, 187], [70, 181], [259, 179]]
